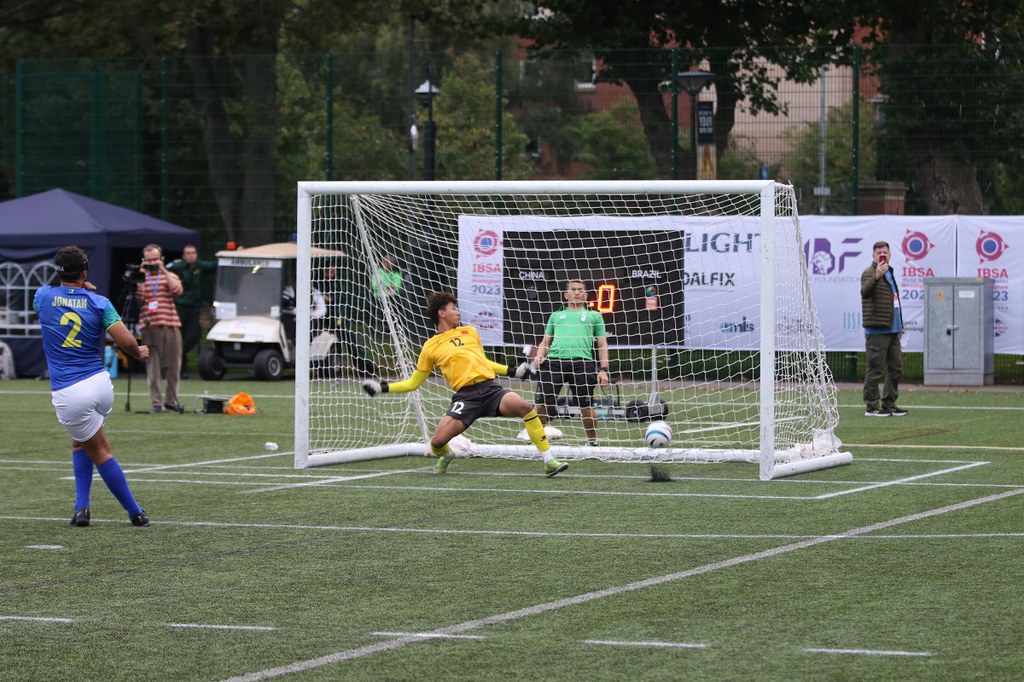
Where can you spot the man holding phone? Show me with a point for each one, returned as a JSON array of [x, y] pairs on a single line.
[[882, 319]]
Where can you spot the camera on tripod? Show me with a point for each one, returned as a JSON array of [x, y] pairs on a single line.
[[133, 274]]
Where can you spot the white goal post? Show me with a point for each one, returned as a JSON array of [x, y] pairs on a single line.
[[702, 287]]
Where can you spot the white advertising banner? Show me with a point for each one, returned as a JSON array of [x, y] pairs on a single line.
[[720, 268], [480, 276], [984, 250], [838, 249]]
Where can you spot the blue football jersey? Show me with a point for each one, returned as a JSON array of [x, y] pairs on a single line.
[[74, 323]]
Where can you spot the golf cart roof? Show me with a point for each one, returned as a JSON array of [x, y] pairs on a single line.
[[280, 251]]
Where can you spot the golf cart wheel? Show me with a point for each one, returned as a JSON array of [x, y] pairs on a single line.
[[211, 366], [268, 365]]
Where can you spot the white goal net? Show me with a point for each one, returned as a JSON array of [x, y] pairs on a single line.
[[702, 288]]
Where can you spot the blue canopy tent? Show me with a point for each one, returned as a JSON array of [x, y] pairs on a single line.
[[32, 228]]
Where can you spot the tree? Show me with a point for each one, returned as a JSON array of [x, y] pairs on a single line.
[[633, 43], [802, 165], [464, 113], [609, 145], [949, 76]]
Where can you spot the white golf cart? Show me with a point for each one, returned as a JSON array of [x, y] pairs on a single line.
[[249, 331]]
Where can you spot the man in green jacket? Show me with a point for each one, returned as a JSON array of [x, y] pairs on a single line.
[[189, 270], [882, 319]]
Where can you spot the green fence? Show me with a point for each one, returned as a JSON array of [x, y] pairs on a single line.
[[218, 145]]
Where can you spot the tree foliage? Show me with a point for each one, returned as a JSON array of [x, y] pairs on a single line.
[[633, 42]]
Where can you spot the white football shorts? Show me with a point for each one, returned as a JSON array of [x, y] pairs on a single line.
[[83, 407]]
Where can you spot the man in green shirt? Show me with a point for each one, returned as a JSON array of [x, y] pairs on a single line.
[[566, 357], [387, 280], [189, 270]]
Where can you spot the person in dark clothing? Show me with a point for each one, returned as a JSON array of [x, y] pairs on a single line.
[[882, 318]]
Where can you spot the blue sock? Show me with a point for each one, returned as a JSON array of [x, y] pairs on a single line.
[[82, 465], [113, 476]]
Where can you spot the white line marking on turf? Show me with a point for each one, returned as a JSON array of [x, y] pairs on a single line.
[[899, 481], [541, 534], [459, 628], [202, 626], [328, 481], [868, 652], [425, 635], [672, 645], [34, 619], [44, 546], [212, 461]]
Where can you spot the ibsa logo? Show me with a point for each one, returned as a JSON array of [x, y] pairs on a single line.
[[915, 245], [487, 268], [999, 328], [486, 243], [485, 320], [990, 246], [737, 327], [822, 261]]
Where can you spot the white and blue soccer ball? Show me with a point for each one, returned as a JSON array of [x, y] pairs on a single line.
[[659, 434]]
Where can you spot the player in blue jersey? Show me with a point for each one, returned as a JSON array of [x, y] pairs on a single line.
[[74, 321]]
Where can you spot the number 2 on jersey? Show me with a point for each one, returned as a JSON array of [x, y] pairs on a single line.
[[76, 326]]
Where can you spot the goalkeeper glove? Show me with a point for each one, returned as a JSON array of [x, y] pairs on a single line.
[[374, 387], [524, 371]]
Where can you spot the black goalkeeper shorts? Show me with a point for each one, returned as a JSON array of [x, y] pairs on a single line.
[[482, 399], [579, 375]]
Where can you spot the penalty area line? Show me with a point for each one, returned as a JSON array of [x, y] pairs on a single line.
[[899, 481], [546, 607], [328, 481]]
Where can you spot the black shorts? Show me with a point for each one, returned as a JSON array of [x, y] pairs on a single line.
[[579, 375], [482, 399]]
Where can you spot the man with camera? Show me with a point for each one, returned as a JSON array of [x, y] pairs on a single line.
[[160, 327], [883, 326]]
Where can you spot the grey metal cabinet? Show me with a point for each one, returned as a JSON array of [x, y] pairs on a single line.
[[958, 335]]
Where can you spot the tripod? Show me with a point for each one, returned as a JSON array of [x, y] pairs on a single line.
[[130, 317]]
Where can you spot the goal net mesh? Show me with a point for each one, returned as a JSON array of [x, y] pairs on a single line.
[[679, 281]]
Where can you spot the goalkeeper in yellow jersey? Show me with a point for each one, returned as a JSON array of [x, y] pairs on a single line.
[[456, 350]]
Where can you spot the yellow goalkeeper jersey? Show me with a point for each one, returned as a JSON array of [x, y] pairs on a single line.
[[459, 355]]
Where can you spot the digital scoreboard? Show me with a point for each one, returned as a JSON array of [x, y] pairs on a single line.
[[634, 278]]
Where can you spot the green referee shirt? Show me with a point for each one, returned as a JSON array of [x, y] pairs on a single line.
[[572, 333]]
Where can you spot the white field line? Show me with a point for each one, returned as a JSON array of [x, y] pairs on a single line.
[[513, 491], [460, 628], [981, 408], [898, 446], [899, 481], [537, 534], [868, 652], [670, 645], [328, 481], [497, 474], [210, 462], [425, 635], [202, 626]]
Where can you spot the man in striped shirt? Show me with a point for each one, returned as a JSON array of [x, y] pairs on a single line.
[[161, 328]]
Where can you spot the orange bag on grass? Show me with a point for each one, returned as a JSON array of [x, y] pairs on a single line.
[[240, 403]]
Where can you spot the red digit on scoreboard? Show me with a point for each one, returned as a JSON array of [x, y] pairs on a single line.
[[605, 298]]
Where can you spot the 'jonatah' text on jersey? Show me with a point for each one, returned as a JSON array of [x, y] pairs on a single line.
[[74, 323]]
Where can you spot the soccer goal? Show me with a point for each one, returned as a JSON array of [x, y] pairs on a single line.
[[702, 286]]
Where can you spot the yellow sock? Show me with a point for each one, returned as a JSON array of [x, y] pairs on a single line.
[[441, 451], [536, 431]]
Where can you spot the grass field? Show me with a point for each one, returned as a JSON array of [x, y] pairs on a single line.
[[907, 565]]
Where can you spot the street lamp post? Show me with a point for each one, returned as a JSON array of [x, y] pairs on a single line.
[[693, 82], [425, 94]]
